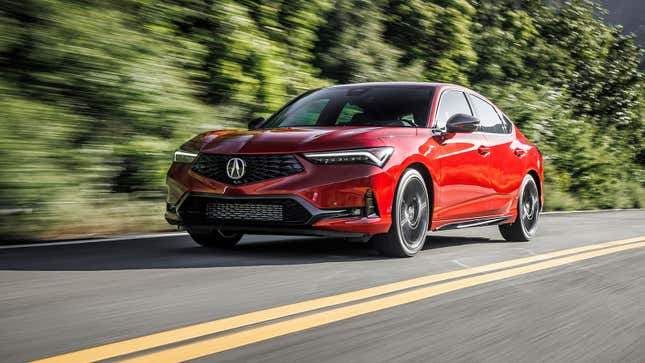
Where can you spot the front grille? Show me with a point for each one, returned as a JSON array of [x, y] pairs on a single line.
[[258, 167], [213, 210]]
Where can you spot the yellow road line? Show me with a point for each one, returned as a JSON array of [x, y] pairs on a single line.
[[133, 345], [254, 335]]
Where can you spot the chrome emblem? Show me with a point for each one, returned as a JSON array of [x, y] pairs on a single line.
[[235, 168]]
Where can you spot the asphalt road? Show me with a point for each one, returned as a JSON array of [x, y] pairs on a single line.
[[587, 307]]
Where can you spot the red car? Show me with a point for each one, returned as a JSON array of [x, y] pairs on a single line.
[[385, 162]]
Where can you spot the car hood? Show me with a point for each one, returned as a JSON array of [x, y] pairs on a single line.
[[304, 139]]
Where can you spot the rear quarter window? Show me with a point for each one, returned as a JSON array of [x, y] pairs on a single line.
[[488, 116], [508, 125]]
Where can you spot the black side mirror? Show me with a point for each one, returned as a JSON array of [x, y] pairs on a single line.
[[255, 123], [462, 123]]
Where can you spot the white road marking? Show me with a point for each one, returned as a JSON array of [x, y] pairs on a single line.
[[96, 240], [592, 211], [456, 262]]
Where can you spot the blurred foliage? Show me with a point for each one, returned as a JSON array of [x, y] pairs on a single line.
[[95, 95]]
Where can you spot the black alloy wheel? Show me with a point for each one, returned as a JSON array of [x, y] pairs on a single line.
[[410, 218], [528, 213]]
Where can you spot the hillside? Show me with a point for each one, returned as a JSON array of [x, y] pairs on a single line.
[[95, 96]]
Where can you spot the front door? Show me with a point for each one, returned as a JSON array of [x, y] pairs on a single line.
[[464, 189]]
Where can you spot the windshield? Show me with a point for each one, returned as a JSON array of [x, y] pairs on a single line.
[[394, 106]]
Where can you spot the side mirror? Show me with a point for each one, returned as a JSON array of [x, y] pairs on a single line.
[[461, 123], [255, 123]]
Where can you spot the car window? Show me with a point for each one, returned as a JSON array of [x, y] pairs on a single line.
[[348, 112], [379, 105], [409, 117], [490, 121], [508, 125], [305, 115], [451, 103]]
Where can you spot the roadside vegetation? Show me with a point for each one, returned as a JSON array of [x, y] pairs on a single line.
[[95, 95]]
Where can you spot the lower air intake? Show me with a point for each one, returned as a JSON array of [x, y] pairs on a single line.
[[225, 211], [245, 212]]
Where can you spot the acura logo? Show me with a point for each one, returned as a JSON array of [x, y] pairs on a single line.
[[235, 168]]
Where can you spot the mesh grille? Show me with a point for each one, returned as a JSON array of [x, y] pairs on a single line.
[[199, 209], [258, 167], [244, 212]]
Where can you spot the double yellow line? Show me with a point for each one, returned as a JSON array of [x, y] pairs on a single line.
[[362, 302]]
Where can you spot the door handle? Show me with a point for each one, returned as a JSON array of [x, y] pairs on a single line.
[[483, 150], [519, 152]]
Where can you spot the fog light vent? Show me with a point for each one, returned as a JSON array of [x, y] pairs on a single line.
[[371, 209]]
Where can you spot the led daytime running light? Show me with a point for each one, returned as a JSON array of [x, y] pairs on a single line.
[[182, 156], [374, 156]]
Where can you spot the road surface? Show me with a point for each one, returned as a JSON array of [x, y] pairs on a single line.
[[566, 296]]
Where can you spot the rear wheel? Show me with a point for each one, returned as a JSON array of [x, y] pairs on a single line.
[[214, 238], [528, 212], [410, 218]]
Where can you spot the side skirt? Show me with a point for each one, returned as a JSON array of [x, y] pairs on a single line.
[[474, 223]]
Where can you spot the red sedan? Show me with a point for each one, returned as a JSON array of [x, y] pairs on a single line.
[[384, 162]]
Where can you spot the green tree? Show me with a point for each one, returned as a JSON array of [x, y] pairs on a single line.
[[350, 46], [436, 34]]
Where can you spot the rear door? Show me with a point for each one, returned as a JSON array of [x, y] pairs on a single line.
[[506, 167], [464, 186]]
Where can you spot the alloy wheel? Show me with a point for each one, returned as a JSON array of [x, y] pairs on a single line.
[[413, 213], [529, 208]]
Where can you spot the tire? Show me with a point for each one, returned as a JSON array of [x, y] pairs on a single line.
[[410, 218], [214, 238], [528, 213]]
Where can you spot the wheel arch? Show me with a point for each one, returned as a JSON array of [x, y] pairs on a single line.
[[427, 177], [536, 177]]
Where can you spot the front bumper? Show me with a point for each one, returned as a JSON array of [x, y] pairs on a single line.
[[270, 214], [325, 197]]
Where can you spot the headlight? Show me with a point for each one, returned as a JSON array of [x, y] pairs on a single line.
[[375, 156], [183, 156]]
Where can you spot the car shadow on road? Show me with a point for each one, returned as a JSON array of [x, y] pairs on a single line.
[[181, 252]]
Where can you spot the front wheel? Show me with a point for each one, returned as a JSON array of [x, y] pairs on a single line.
[[214, 238], [410, 218], [528, 212]]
